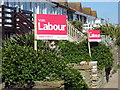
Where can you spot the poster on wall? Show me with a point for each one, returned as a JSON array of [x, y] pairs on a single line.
[[50, 27]]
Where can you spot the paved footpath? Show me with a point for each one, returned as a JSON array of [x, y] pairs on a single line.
[[114, 81]]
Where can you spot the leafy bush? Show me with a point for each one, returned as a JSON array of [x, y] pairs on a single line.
[[75, 53], [73, 80], [112, 30], [22, 40], [77, 25], [22, 65], [106, 29]]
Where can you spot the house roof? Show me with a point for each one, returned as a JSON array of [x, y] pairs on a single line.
[[59, 5], [94, 13], [87, 11], [76, 6]]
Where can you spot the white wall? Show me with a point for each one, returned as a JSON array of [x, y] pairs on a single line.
[[98, 20], [90, 19]]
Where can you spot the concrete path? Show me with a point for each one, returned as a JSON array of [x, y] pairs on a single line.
[[114, 81]]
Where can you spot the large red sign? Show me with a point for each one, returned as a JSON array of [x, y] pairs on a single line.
[[94, 36], [51, 27]]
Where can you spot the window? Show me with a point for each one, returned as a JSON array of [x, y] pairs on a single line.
[[37, 8], [33, 7], [41, 8], [70, 16], [53, 10], [85, 19], [81, 18], [11, 4], [48, 9], [59, 10], [64, 12], [44, 8]]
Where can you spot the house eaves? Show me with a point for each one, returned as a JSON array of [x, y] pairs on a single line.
[[62, 6], [46, 1], [79, 13], [50, 3]]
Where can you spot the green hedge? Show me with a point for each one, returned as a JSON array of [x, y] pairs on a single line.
[[75, 53], [22, 65]]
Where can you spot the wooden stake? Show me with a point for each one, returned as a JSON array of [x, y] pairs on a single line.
[[35, 45], [35, 33], [89, 48]]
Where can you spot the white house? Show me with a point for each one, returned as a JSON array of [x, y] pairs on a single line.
[[92, 22], [48, 7]]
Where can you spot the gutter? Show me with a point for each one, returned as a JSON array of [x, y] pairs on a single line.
[[62, 6], [50, 3], [46, 2], [79, 13]]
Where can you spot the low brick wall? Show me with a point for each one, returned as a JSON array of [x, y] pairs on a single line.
[[86, 72], [45, 85]]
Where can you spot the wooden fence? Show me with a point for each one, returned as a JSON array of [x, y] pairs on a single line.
[[23, 25], [97, 81], [74, 34]]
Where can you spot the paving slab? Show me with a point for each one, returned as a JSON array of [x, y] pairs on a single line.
[[114, 81]]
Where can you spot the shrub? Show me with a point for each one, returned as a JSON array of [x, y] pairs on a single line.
[[75, 53], [74, 80], [22, 65], [112, 30], [77, 25], [22, 40]]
